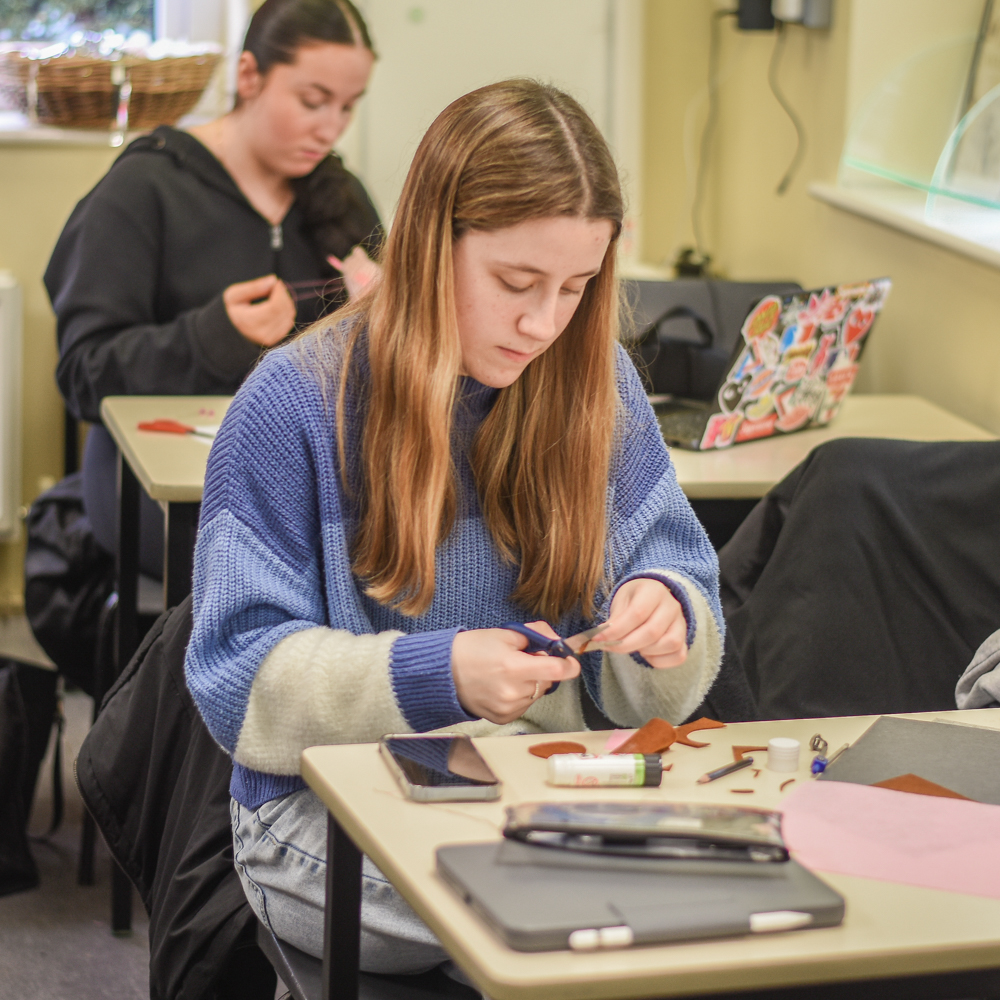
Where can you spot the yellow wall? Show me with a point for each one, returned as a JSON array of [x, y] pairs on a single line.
[[39, 185], [939, 336]]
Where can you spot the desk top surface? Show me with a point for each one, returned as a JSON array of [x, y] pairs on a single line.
[[889, 929], [170, 467], [750, 470]]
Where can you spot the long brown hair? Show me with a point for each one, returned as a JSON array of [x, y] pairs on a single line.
[[499, 156]]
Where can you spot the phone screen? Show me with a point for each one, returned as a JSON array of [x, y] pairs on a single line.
[[440, 761]]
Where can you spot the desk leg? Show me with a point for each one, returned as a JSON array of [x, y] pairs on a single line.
[[342, 926], [126, 643], [127, 566], [180, 528]]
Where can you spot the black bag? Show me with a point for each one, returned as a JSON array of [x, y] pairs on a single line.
[[67, 579], [685, 330], [28, 707]]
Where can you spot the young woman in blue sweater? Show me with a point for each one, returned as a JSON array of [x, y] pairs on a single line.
[[464, 446]]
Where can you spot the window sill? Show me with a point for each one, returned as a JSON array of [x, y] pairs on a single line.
[[904, 210], [16, 130]]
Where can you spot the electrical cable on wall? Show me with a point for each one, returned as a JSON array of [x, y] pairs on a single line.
[[800, 132], [706, 134]]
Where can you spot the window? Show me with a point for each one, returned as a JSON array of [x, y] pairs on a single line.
[[923, 150], [69, 20], [107, 25]]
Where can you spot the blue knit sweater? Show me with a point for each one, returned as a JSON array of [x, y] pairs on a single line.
[[288, 652]]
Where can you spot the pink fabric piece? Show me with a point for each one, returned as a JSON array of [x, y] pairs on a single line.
[[935, 843], [616, 739]]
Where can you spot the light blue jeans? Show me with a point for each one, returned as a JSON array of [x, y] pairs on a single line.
[[280, 852]]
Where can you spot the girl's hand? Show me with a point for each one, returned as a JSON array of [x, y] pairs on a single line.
[[646, 619], [496, 680], [262, 310], [358, 269]]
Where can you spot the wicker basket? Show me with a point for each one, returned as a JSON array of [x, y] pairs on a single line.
[[75, 91]]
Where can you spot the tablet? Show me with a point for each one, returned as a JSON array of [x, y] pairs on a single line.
[[539, 899]]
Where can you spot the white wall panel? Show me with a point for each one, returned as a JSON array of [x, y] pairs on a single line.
[[434, 51]]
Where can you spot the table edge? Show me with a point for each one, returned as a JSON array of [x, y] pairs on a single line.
[[792, 972]]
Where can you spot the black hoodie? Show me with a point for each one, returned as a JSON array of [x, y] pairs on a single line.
[[137, 276]]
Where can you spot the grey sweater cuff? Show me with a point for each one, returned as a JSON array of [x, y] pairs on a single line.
[[979, 686]]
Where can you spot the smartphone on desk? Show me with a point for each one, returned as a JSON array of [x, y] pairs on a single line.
[[439, 768]]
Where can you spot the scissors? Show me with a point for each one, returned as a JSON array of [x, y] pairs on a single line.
[[538, 643], [573, 646], [166, 426]]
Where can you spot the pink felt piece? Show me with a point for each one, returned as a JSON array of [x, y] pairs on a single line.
[[616, 739], [935, 843]]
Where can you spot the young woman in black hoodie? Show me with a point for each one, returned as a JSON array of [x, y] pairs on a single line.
[[199, 249]]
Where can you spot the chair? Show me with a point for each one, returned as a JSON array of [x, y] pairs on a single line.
[[864, 582], [157, 785], [150, 607], [303, 976]]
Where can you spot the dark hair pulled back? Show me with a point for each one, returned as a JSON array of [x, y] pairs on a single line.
[[280, 27], [337, 212]]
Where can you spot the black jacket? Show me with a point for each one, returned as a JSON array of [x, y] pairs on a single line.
[[158, 787], [865, 580], [137, 276]]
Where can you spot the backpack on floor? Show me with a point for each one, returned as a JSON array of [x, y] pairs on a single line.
[[67, 579], [29, 705]]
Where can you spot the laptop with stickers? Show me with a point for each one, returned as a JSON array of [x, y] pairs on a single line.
[[795, 360]]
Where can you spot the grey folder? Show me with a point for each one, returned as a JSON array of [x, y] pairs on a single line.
[[535, 897], [965, 759]]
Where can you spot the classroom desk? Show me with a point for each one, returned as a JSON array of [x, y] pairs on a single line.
[[896, 941], [171, 469], [748, 471]]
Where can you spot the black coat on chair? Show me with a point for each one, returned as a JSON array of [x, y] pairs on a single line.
[[864, 582], [158, 786]]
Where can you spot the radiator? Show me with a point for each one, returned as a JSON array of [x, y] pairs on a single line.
[[10, 406]]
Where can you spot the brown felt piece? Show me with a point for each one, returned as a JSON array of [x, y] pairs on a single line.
[[654, 737], [741, 791], [785, 784], [683, 732], [739, 751], [919, 786], [559, 746]]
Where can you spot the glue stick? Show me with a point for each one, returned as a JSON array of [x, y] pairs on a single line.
[[587, 770]]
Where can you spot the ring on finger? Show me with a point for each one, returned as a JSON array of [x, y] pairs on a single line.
[[538, 691]]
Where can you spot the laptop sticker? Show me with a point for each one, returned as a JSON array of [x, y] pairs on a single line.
[[799, 362], [721, 430]]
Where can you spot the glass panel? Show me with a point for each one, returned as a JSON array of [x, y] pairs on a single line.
[[897, 137], [965, 194]]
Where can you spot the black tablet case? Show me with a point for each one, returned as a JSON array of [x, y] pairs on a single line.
[[964, 758], [535, 897]]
